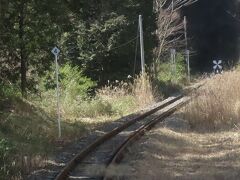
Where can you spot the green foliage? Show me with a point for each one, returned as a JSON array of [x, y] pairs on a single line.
[[87, 32], [94, 108], [75, 89], [9, 90], [93, 43], [169, 82], [73, 84], [167, 74], [123, 105], [6, 159], [30, 133]]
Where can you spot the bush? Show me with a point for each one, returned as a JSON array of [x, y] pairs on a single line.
[[120, 98], [7, 164], [167, 80], [166, 73], [73, 83], [8, 89], [95, 108], [74, 88]]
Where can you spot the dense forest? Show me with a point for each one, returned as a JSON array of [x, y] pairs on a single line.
[[96, 36], [99, 37]]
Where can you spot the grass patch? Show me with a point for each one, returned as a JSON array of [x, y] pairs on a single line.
[[170, 79], [113, 100], [166, 154], [27, 136], [216, 105], [28, 128]]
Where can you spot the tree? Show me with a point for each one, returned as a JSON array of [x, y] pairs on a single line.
[[103, 37], [169, 26], [31, 28]]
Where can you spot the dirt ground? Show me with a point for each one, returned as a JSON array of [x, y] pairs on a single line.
[[169, 152]]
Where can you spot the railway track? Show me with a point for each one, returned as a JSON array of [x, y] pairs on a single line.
[[108, 148]]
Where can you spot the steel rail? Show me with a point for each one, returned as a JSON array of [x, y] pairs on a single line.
[[71, 165], [119, 153]]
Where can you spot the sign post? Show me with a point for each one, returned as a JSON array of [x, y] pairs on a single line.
[[56, 52], [217, 66]]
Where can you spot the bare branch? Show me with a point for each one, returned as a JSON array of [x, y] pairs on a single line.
[[169, 23]]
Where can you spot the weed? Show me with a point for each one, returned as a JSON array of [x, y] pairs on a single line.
[[6, 160]]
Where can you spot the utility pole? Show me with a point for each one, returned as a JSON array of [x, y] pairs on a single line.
[[173, 62], [187, 52], [141, 44]]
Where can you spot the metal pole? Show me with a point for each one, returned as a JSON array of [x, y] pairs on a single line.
[[171, 51], [185, 32], [173, 62], [58, 104], [141, 44], [188, 66]]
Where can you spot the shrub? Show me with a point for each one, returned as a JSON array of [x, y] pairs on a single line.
[[95, 108], [167, 80], [74, 88], [166, 73], [8, 89], [73, 83], [118, 98], [7, 164]]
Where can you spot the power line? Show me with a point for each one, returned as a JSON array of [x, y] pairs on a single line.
[[124, 44]]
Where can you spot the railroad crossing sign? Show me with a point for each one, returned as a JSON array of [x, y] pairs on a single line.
[[217, 66]]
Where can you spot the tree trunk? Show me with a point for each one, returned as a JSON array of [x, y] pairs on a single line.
[[23, 57]]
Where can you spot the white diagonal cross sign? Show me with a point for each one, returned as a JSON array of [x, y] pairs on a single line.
[[217, 64]]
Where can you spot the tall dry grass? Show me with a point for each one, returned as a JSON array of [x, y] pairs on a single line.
[[142, 90], [217, 104], [139, 93]]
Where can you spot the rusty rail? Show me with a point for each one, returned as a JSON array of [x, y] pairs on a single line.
[[119, 153], [63, 174]]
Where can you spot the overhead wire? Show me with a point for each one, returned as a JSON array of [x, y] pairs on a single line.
[[124, 44]]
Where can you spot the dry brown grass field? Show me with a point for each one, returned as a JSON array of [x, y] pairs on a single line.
[[216, 106], [165, 154], [207, 148]]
